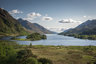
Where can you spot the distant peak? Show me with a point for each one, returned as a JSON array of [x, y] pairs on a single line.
[[20, 19]]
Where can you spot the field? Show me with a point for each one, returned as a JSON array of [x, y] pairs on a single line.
[[66, 54], [11, 53]]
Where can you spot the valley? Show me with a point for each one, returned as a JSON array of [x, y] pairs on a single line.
[[47, 32]]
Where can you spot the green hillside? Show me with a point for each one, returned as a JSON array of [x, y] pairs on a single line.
[[9, 25]]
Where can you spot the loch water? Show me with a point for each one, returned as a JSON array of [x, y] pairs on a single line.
[[55, 39]]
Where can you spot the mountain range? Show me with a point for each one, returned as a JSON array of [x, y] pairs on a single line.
[[86, 28], [11, 26], [34, 27]]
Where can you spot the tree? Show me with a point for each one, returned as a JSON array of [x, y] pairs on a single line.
[[30, 45], [36, 36], [31, 60]]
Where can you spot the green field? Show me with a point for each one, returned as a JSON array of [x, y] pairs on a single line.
[[66, 54], [11, 52]]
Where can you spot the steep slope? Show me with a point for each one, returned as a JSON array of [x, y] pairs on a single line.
[[86, 28], [9, 25], [34, 27]]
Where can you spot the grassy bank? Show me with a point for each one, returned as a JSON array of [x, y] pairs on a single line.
[[21, 39], [90, 37]]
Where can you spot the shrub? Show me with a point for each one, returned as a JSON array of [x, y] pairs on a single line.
[[31, 60], [45, 61], [88, 50]]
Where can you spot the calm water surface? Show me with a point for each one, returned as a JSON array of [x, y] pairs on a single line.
[[54, 39]]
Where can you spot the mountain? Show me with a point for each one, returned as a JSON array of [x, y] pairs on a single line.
[[86, 28], [34, 27], [9, 25], [65, 31]]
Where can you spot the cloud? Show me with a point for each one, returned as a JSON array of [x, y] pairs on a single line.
[[15, 11], [56, 29], [46, 18], [69, 21], [87, 17], [32, 16], [84, 16]]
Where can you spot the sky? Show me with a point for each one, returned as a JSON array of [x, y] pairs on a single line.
[[55, 15]]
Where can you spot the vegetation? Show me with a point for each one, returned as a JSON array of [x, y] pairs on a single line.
[[36, 36], [45, 61], [66, 54], [90, 37], [33, 37], [21, 39], [7, 52], [12, 53], [10, 26]]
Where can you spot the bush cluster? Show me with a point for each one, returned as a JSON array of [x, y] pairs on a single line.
[[9, 55], [36, 36]]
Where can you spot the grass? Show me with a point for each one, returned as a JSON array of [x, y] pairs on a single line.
[[65, 54], [21, 39], [60, 54]]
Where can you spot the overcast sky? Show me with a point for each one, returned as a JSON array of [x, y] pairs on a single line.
[[55, 15]]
